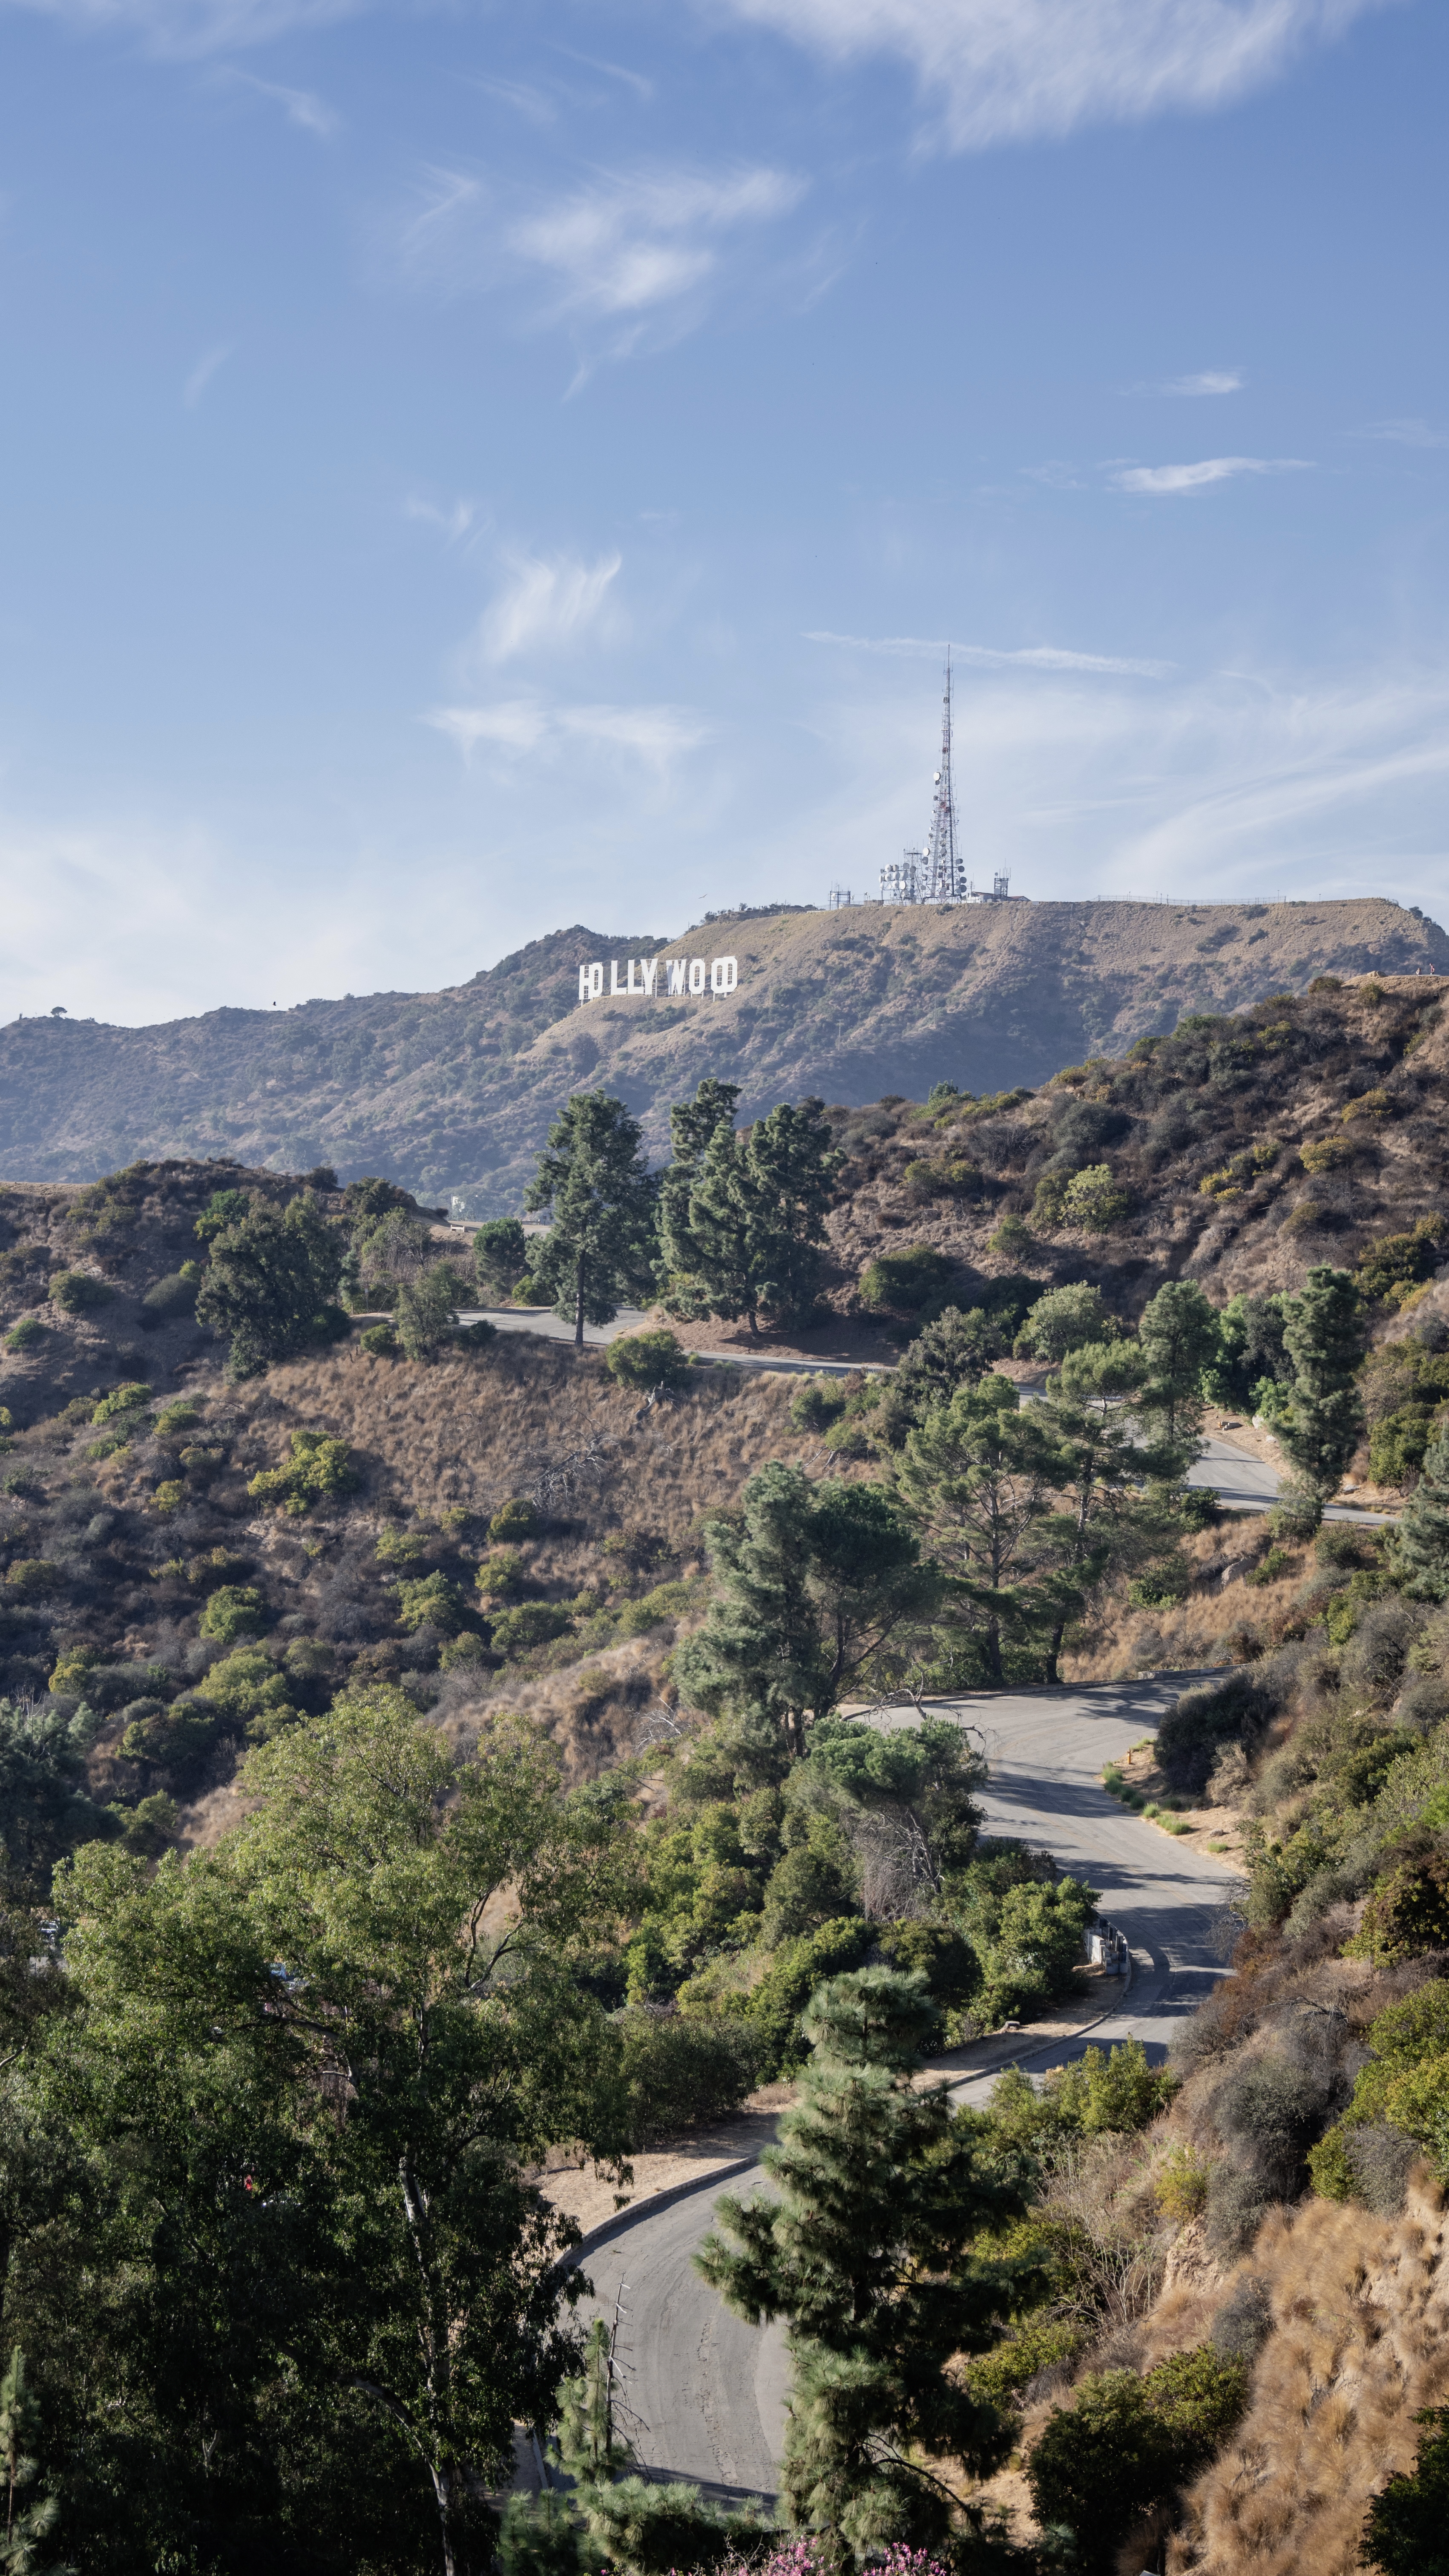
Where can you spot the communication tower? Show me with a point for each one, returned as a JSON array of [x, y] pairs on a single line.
[[934, 874], [944, 879]]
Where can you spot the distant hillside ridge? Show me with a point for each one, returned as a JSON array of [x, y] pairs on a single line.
[[453, 1091]]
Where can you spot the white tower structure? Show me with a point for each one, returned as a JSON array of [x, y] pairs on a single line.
[[942, 872]]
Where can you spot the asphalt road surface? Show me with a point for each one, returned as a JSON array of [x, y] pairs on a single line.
[[708, 2391]]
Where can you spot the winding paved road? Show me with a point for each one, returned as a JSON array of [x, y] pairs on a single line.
[[709, 2391]]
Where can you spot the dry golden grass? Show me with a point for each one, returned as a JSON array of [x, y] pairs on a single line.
[[1359, 2342], [1205, 1627], [473, 1429]]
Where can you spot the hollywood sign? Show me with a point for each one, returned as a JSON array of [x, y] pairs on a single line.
[[680, 975]]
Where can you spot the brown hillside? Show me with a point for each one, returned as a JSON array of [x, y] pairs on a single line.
[[454, 1090], [1204, 1135]]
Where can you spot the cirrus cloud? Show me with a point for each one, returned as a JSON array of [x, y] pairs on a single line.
[[1004, 70], [1174, 479]]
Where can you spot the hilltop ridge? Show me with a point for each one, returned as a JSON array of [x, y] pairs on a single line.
[[454, 1090]]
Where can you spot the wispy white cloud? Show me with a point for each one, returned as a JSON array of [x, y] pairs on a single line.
[[1226, 784], [627, 243], [1406, 433], [526, 101], [643, 89], [299, 106], [1173, 479], [986, 657], [203, 371], [547, 601], [189, 29], [629, 259], [1002, 70], [656, 736], [456, 521], [1213, 380]]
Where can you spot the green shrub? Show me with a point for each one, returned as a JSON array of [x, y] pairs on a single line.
[[515, 1519], [178, 1740], [1094, 1200], [533, 1623], [647, 1362], [1161, 1586], [1397, 1444], [797, 1968], [665, 1601], [34, 1578], [380, 1340], [168, 1496], [122, 1399], [500, 1574], [24, 1335], [433, 1602], [234, 1610], [906, 1282], [180, 1415], [250, 1692], [77, 1291], [399, 1547], [174, 1295], [1407, 2531], [818, 1403], [999, 2376], [676, 2071], [460, 1651], [317, 1467], [1125, 2445]]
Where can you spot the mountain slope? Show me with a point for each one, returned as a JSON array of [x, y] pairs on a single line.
[[454, 1090]]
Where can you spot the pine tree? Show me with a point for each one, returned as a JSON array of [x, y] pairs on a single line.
[[864, 2256], [26, 2525], [1324, 1337], [744, 1214], [600, 1249], [811, 1582], [1420, 1545], [1178, 1336], [978, 1475]]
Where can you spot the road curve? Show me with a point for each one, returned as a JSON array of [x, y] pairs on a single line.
[[708, 2391]]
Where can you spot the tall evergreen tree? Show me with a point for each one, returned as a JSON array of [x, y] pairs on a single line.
[[1419, 1546], [744, 1213], [863, 2255], [592, 1175], [1178, 1336], [978, 1474], [1324, 1336], [1100, 1516], [810, 1583]]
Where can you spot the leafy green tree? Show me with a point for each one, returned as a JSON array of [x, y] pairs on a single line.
[[317, 2068], [1420, 1545], [1407, 2532], [1251, 1358], [1118, 2455], [271, 1284], [977, 1474], [810, 1583], [599, 1250], [45, 1809], [1178, 1336], [743, 1214], [1101, 1374], [427, 1310], [864, 2254], [1065, 1319], [1324, 1335], [500, 1257]]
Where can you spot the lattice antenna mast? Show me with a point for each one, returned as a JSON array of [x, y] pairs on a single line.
[[945, 882]]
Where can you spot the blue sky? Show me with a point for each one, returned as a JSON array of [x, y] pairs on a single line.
[[472, 468]]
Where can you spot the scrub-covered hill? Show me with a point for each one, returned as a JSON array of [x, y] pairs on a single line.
[[454, 1090]]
